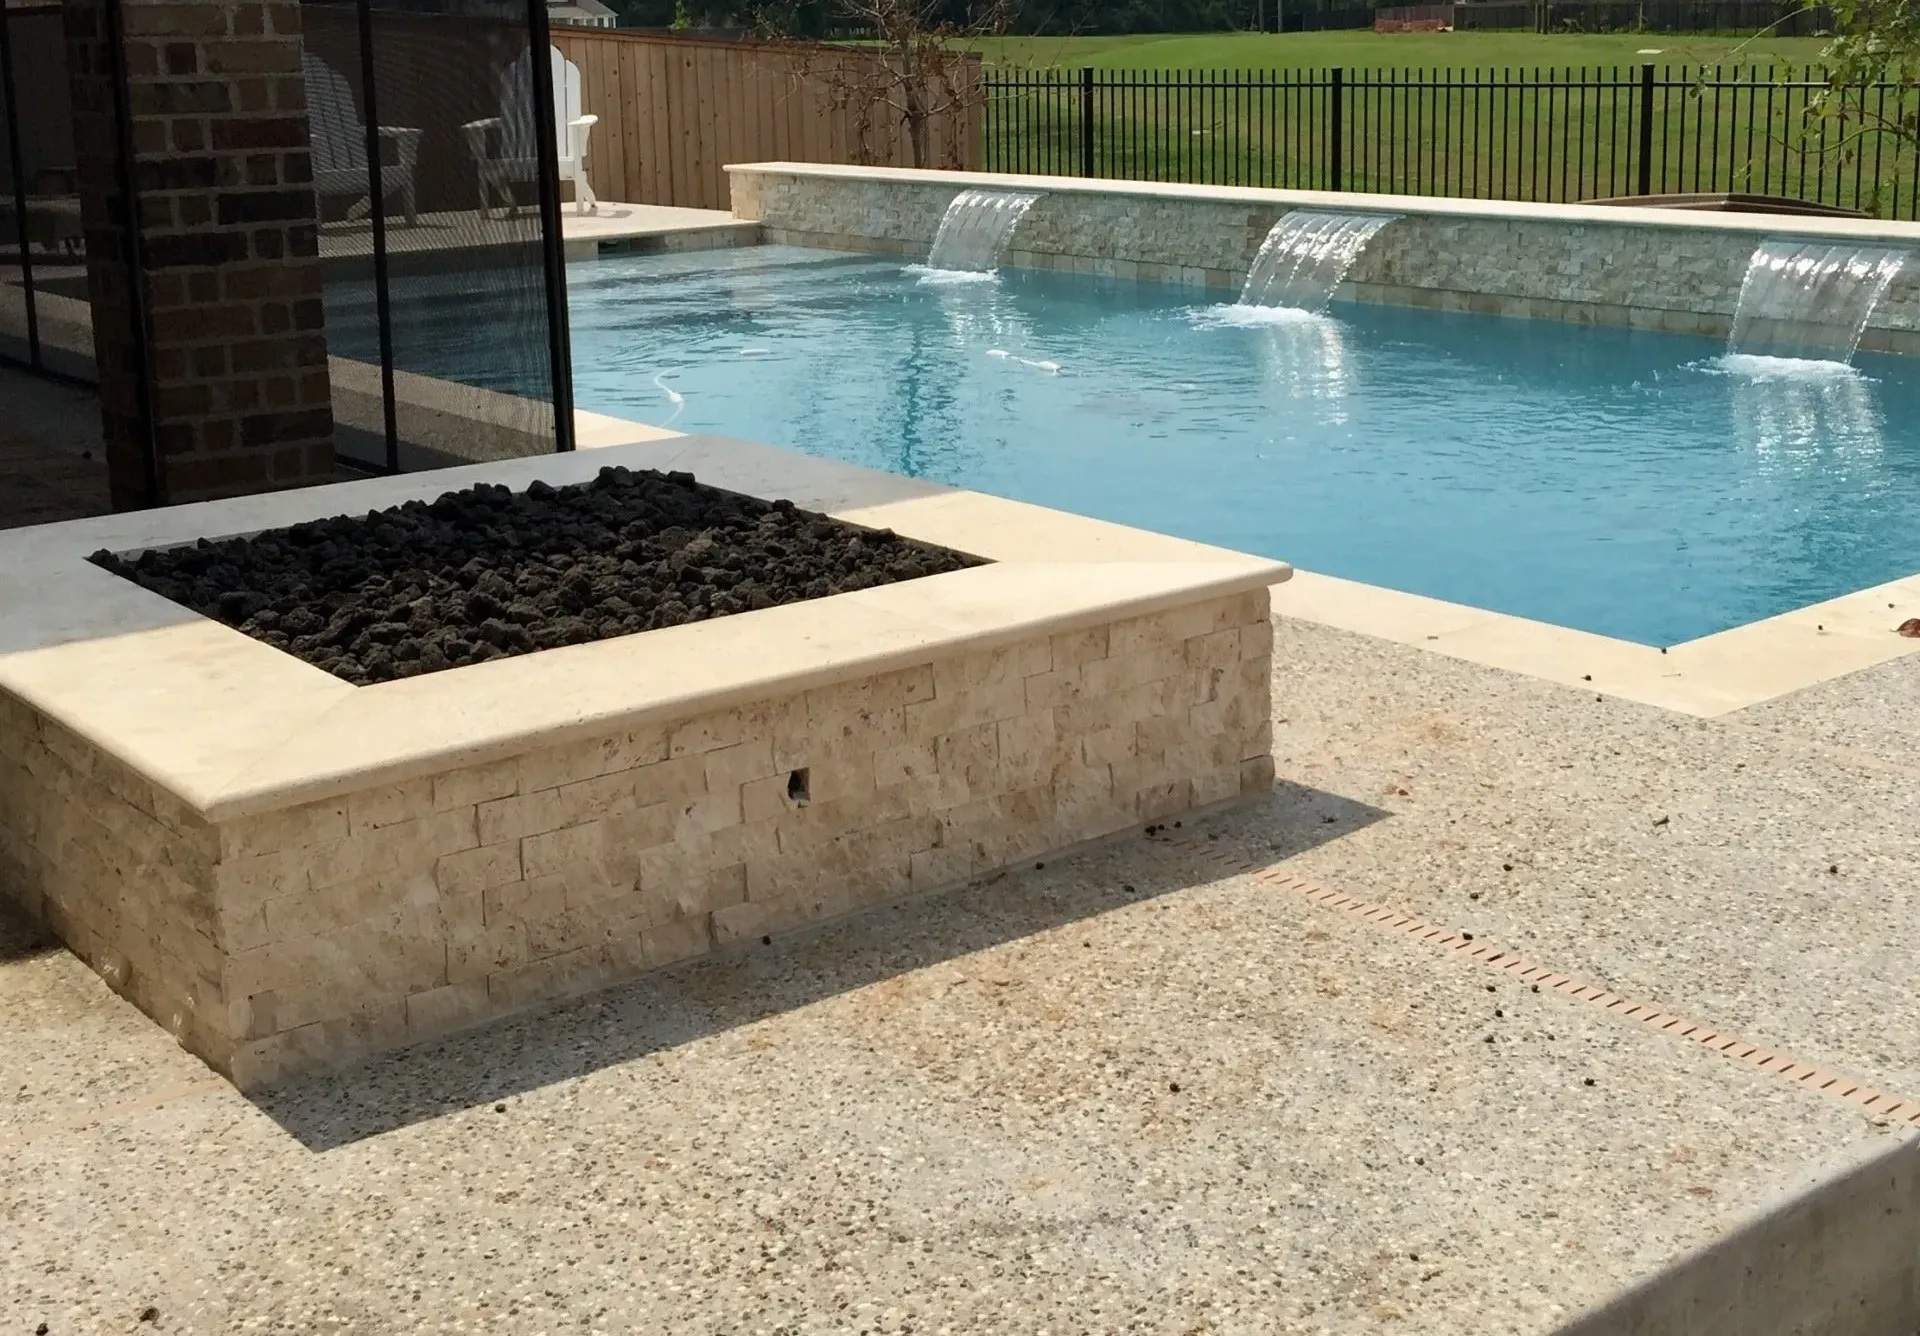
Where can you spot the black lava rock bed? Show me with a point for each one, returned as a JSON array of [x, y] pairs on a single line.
[[487, 573]]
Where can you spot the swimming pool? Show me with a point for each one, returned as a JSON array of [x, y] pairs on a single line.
[[1638, 485]]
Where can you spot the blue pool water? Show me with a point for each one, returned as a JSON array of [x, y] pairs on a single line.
[[1632, 484]]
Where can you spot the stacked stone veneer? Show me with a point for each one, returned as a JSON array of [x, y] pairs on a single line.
[[1679, 278], [276, 942]]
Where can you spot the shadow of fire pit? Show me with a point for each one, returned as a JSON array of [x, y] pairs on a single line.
[[684, 1003]]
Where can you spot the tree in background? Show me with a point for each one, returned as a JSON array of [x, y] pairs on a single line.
[[1878, 42], [912, 66]]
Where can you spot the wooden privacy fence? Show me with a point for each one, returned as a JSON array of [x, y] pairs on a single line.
[[675, 111]]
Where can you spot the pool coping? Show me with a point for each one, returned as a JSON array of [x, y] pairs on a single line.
[[1707, 677], [231, 726]]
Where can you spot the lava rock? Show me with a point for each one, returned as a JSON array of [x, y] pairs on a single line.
[[489, 573]]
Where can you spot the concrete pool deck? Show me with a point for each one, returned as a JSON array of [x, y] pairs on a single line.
[[1139, 1089]]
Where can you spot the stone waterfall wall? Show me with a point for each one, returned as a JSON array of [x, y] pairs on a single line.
[[1588, 265]]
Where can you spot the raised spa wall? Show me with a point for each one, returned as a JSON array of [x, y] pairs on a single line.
[[1645, 268]]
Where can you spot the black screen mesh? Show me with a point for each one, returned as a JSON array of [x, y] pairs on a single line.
[[473, 292], [43, 277]]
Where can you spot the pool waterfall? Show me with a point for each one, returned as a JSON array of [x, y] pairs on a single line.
[[976, 230], [1305, 257], [1809, 301]]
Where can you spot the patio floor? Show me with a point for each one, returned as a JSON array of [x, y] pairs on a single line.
[[1163, 1086]]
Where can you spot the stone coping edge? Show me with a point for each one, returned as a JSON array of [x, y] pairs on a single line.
[[231, 727], [1755, 224], [1708, 677]]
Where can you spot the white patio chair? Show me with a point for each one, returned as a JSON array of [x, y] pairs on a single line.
[[504, 150], [339, 139]]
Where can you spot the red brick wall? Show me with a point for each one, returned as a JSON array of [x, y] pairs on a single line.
[[235, 339]]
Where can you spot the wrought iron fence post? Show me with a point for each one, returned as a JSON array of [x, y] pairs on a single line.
[[1646, 130], [553, 240], [1086, 120], [1335, 126], [377, 196]]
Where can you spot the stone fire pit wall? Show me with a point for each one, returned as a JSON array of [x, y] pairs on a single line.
[[285, 936]]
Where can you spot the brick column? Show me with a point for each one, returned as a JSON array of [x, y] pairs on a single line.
[[228, 241]]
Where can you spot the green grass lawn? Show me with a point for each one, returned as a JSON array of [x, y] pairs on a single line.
[[1363, 50]]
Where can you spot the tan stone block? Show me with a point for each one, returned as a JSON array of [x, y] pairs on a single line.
[[568, 850], [967, 708], [243, 928], [518, 901], [554, 977], [937, 868], [969, 752], [843, 774], [390, 804], [1256, 639], [745, 842], [474, 870], [1216, 786], [756, 919], [475, 785], [1107, 746], [277, 965], [328, 909], [242, 883], [669, 943], [1254, 676], [1216, 649], [1160, 736], [406, 848], [699, 818], [736, 765], [1258, 742], [765, 799], [1158, 801], [502, 946], [289, 828], [1058, 687], [638, 828], [515, 818], [569, 929], [574, 762], [615, 893], [1155, 633], [905, 764], [1252, 608], [707, 732], [1256, 775], [1109, 677], [591, 799], [670, 781], [389, 955], [1072, 649], [450, 1007]]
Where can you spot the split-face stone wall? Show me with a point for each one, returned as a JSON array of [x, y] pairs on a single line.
[[276, 942], [1680, 278]]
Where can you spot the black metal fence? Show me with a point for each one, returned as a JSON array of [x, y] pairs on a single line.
[[435, 163], [1551, 135], [43, 274]]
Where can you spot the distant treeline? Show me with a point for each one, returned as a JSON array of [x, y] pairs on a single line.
[[824, 18]]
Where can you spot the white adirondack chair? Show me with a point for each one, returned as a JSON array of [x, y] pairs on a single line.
[[504, 149], [339, 139]]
